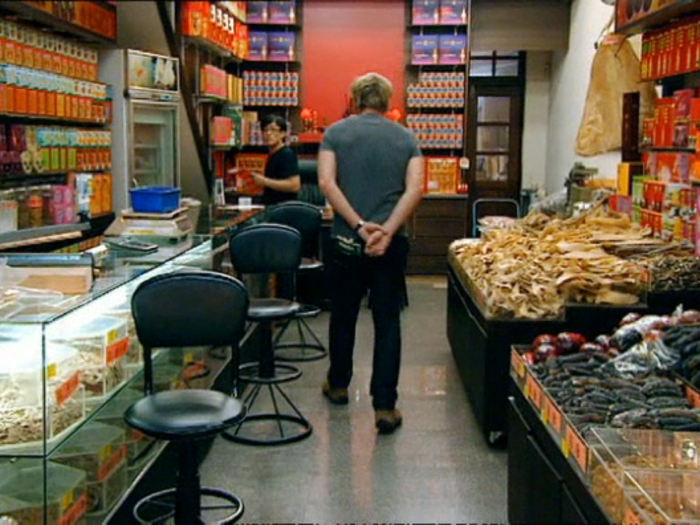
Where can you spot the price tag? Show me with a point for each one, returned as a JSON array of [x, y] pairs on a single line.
[[66, 500], [111, 336], [526, 389], [51, 371], [543, 413], [534, 392], [578, 448], [565, 447], [631, 518], [66, 390], [105, 452], [188, 358], [693, 396], [75, 512], [112, 462], [553, 416], [117, 350]]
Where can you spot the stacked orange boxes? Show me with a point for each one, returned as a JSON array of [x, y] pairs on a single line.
[[218, 22]]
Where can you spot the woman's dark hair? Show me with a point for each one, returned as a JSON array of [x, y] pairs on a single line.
[[274, 119]]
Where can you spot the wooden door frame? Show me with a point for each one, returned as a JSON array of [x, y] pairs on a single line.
[[513, 87]]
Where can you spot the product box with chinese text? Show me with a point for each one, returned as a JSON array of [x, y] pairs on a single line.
[[257, 45], [256, 12], [246, 163], [281, 12], [280, 46], [453, 12], [426, 12], [424, 49], [453, 49]]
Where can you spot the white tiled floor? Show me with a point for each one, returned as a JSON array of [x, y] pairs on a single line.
[[436, 468]]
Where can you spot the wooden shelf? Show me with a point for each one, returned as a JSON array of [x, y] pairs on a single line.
[[41, 18], [213, 47], [658, 18], [277, 25], [667, 150], [210, 99], [43, 119]]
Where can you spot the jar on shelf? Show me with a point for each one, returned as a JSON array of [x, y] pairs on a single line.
[[22, 195], [8, 211], [35, 207], [46, 200]]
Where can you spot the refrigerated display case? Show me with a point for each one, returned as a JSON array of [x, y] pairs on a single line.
[[146, 122]]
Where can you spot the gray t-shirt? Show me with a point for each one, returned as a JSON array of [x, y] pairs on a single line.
[[371, 154]]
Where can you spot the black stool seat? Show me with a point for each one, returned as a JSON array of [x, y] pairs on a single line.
[[184, 414], [271, 309]]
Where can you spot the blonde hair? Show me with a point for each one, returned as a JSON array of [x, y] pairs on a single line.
[[372, 91]]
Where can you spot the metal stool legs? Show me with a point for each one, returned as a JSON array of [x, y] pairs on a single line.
[[269, 427], [183, 503], [307, 347]]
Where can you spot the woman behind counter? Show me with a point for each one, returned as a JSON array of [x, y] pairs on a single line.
[[281, 180]]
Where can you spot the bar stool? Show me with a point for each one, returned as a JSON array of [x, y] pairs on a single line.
[[180, 310], [306, 218], [268, 249]]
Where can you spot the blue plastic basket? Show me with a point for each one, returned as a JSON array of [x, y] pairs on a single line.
[[155, 199]]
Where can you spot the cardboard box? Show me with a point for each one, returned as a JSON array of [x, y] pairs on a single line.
[[626, 171]]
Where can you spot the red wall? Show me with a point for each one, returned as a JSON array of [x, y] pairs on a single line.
[[344, 39]]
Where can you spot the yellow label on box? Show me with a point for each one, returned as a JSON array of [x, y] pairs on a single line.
[[105, 452], [66, 500], [565, 448]]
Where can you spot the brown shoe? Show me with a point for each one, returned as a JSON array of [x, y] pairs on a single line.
[[387, 421], [337, 396]]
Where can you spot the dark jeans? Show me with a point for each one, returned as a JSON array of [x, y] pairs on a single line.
[[351, 277]]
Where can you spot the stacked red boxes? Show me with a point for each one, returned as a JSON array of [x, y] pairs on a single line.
[[673, 50]]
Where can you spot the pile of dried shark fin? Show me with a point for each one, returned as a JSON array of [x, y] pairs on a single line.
[[533, 267]]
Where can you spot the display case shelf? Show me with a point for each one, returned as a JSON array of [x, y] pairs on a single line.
[[43, 19]]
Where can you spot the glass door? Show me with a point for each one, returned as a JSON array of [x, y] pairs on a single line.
[[155, 157], [494, 147]]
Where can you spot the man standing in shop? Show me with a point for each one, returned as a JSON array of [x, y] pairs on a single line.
[[281, 180], [371, 171]]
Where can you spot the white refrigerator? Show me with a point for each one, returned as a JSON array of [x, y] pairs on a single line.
[[146, 120]]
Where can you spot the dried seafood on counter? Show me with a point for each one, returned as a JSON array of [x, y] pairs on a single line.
[[532, 268], [674, 273]]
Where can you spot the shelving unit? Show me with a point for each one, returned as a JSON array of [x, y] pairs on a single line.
[[442, 216], [53, 118]]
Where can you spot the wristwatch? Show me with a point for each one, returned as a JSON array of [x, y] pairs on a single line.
[[359, 225]]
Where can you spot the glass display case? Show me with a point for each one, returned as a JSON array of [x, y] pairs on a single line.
[[67, 374]]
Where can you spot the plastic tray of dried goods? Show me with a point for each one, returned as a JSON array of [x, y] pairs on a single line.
[[605, 483], [665, 496], [101, 344], [133, 355], [66, 497], [104, 494], [638, 449], [113, 414], [96, 449], [165, 377], [22, 376]]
